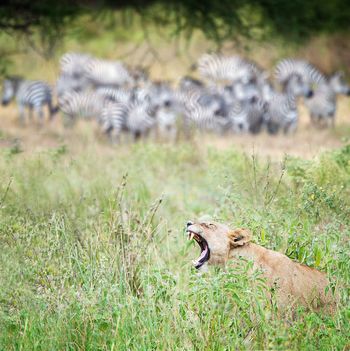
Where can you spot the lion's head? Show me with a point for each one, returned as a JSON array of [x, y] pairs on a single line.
[[216, 241]]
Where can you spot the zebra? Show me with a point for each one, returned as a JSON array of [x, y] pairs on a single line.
[[140, 119], [207, 110], [31, 94], [113, 119], [86, 105], [296, 78], [122, 95], [281, 113], [238, 117], [66, 83], [256, 115], [139, 75], [245, 76], [186, 83], [165, 109], [289, 67], [107, 73], [136, 116], [225, 68], [161, 95], [73, 64], [72, 72], [247, 117], [322, 105], [166, 122]]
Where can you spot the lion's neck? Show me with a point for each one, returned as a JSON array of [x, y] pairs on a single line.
[[249, 251]]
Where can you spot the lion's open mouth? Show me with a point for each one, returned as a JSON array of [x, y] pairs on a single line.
[[205, 252]]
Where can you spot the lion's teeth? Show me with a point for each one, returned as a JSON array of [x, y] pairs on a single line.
[[191, 236]]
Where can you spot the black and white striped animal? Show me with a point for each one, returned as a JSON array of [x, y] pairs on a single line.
[[207, 110], [187, 83], [135, 117], [30, 94], [225, 68], [296, 78], [66, 83], [282, 111], [85, 105], [323, 104], [289, 67], [105, 73], [73, 64], [115, 94], [72, 73], [113, 119]]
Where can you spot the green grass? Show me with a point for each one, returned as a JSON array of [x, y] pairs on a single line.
[[94, 257]]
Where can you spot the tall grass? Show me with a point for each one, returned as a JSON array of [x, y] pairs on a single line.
[[94, 257]]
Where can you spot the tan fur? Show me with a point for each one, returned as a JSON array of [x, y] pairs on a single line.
[[296, 283]]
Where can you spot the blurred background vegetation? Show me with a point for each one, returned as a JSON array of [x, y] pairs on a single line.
[[173, 33]]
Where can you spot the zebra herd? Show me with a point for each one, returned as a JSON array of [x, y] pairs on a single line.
[[233, 95]]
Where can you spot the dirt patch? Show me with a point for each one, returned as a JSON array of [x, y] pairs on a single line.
[[307, 142]]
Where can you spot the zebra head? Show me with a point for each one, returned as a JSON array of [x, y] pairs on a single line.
[[9, 89], [245, 89], [297, 86], [338, 84], [187, 83]]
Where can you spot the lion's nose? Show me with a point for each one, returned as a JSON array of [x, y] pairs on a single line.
[[189, 223]]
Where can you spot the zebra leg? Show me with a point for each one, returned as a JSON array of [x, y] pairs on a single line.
[[30, 113], [52, 110], [68, 121], [137, 135], [290, 128], [332, 120], [321, 121], [40, 114], [110, 135], [21, 109], [272, 128], [313, 119]]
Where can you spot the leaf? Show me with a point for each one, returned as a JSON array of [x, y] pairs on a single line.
[[262, 234], [317, 256]]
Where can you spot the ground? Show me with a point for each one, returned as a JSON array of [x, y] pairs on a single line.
[[307, 142]]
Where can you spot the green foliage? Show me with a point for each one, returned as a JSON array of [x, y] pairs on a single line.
[[94, 256], [14, 149], [218, 20]]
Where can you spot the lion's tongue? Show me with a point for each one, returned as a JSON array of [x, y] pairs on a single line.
[[198, 263]]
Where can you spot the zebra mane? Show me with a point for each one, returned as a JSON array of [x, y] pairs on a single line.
[[286, 68]]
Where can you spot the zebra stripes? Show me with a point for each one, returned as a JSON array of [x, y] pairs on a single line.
[[282, 113], [234, 95], [86, 105], [216, 67], [33, 95], [297, 78], [84, 71], [106, 73], [322, 105], [113, 119], [306, 71]]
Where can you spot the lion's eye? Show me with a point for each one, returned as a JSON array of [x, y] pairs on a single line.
[[209, 225]]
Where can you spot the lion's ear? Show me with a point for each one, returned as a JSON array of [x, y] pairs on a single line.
[[239, 237]]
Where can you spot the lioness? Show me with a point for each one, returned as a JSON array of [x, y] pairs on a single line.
[[295, 283]]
